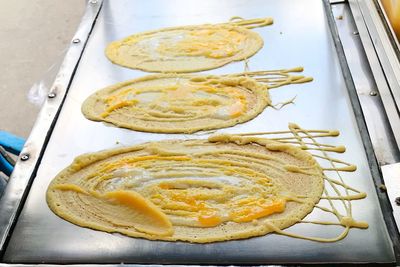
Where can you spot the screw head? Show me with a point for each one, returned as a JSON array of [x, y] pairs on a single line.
[[24, 157], [356, 33], [51, 95], [76, 41], [373, 93], [383, 188]]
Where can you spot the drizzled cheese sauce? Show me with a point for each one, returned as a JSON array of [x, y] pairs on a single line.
[[173, 103], [188, 48], [226, 187]]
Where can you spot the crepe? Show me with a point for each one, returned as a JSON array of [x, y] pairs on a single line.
[[227, 187], [188, 48], [182, 103]]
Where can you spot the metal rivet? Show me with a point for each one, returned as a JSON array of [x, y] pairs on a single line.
[[355, 33], [76, 41], [24, 157], [51, 95], [373, 93], [93, 1], [397, 201], [383, 188]]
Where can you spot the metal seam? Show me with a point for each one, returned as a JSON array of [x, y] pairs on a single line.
[[374, 167], [13, 216]]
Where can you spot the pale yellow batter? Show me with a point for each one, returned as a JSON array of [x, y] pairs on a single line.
[[188, 48], [226, 187], [182, 103]]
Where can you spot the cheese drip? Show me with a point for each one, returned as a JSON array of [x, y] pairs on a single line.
[[306, 140], [226, 187]]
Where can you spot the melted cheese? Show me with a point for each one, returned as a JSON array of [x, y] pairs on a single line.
[[226, 187], [209, 218], [159, 222], [211, 43], [190, 100], [257, 209], [188, 48], [172, 103]]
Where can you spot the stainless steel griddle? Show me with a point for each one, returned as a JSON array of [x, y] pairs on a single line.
[[305, 33]]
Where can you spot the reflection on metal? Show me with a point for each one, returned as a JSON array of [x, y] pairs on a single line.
[[51, 95], [323, 104], [33, 148], [382, 58], [332, 2], [391, 176], [380, 112], [379, 130]]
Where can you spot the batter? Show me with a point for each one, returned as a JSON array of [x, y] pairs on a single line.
[[188, 48], [182, 103], [227, 187]]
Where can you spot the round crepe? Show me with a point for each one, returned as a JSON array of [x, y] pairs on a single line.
[[227, 187], [186, 48], [172, 103]]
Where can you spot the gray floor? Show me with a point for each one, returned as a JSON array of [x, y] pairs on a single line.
[[34, 35]]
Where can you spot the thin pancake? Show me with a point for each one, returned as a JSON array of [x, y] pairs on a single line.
[[188, 48], [228, 187], [169, 103]]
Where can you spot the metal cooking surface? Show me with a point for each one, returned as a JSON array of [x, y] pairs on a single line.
[[294, 39]]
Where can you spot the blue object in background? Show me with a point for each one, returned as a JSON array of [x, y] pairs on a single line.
[[5, 166], [12, 144]]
